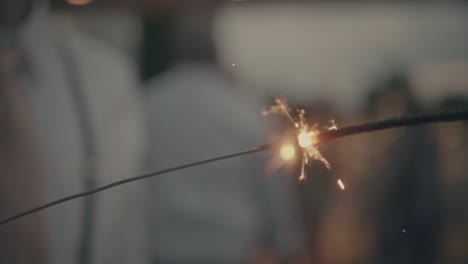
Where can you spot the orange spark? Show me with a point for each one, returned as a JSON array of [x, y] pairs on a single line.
[[341, 184]]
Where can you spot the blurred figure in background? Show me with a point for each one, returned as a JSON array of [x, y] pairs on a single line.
[[317, 192], [338, 228], [21, 182], [453, 145], [227, 212], [76, 99], [403, 180]]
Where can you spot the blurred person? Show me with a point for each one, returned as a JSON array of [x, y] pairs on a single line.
[[225, 212], [317, 192], [73, 101], [23, 241], [453, 146], [118, 27], [334, 217], [403, 180]]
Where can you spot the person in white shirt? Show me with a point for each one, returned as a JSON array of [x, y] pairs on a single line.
[[226, 212], [88, 123]]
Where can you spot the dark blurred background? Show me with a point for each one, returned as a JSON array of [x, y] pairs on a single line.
[[351, 61]]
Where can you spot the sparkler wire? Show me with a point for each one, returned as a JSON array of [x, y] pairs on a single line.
[[404, 121], [132, 179]]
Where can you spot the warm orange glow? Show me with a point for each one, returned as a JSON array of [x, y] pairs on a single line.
[[287, 152], [79, 2], [306, 134], [341, 184], [306, 139]]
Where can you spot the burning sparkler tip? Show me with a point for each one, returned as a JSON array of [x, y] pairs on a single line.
[[306, 139], [306, 135]]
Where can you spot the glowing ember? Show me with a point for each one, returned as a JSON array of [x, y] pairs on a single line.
[[341, 184], [287, 152], [306, 139], [306, 135]]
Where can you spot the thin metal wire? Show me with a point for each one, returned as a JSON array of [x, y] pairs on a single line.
[[132, 179]]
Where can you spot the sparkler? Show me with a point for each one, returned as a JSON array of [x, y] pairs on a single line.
[[306, 134], [307, 139]]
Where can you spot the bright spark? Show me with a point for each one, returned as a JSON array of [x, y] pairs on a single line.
[[306, 135], [281, 107], [287, 152], [305, 159], [341, 184], [333, 125], [306, 139]]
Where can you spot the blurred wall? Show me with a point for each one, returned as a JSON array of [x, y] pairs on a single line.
[[337, 50]]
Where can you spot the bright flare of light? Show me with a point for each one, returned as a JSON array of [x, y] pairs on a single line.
[[306, 134], [287, 152], [341, 184], [306, 139]]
